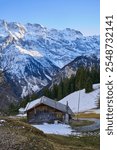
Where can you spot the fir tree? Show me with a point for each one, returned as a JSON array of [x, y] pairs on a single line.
[[59, 96], [65, 87], [89, 85], [54, 91], [47, 92]]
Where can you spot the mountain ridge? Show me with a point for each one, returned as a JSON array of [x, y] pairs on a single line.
[[34, 54]]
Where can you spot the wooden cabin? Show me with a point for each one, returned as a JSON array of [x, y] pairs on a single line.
[[47, 110]]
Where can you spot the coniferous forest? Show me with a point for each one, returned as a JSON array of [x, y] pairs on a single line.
[[83, 79]]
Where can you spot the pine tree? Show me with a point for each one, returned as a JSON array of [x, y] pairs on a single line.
[[47, 92], [54, 91], [95, 74], [77, 79], [59, 96], [25, 100], [89, 85], [65, 87], [33, 96], [60, 90], [72, 84], [80, 78]]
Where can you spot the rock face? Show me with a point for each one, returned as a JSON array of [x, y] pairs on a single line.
[[34, 54], [7, 95], [70, 69]]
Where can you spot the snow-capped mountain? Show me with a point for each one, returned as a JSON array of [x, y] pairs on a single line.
[[33, 54]]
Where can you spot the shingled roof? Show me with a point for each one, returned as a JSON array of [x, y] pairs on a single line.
[[47, 101]]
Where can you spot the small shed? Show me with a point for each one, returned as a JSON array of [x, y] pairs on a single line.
[[47, 110]]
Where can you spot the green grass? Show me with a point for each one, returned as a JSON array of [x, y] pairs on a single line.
[[23, 119], [75, 143], [87, 115], [78, 123]]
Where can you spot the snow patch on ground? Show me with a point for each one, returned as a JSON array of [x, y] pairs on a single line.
[[61, 129], [22, 115], [87, 100], [2, 122]]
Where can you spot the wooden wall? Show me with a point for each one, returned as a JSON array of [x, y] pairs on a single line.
[[44, 113]]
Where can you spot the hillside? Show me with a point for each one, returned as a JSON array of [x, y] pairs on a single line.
[[15, 134], [87, 102]]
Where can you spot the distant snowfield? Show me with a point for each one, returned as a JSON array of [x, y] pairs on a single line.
[[60, 129], [87, 100]]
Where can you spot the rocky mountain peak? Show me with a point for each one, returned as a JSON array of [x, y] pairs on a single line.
[[34, 54]]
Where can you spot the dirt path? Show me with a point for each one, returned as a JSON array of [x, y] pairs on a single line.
[[92, 127], [89, 129]]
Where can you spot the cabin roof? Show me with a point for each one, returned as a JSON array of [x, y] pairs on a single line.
[[47, 101]]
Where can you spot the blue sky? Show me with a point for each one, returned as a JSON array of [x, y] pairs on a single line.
[[83, 15]]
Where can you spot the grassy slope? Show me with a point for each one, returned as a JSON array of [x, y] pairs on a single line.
[[87, 115], [74, 143], [19, 135], [75, 123]]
